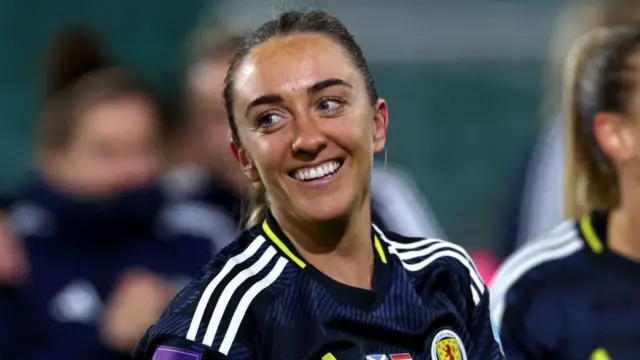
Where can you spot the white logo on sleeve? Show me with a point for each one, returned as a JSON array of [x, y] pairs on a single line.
[[76, 302]]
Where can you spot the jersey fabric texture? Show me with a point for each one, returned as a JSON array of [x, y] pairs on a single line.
[[568, 296], [259, 299]]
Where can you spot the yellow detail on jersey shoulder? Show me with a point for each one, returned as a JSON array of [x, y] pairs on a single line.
[[590, 235], [329, 356], [600, 354], [378, 246], [267, 230]]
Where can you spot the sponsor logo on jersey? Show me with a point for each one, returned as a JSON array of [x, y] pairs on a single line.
[[447, 346], [173, 353]]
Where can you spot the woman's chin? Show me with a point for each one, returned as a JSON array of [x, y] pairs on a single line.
[[319, 212]]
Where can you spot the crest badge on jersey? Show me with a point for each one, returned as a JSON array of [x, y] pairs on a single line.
[[447, 346]]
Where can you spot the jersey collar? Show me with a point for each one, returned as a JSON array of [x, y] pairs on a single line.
[[364, 299], [593, 231], [274, 233]]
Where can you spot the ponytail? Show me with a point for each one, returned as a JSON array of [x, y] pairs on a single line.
[[259, 205], [590, 180]]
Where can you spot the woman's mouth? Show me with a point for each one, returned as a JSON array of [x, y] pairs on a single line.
[[322, 171]]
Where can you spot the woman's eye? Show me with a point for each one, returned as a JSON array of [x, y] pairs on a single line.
[[330, 105], [268, 121]]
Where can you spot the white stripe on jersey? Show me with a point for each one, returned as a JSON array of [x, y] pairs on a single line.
[[208, 291], [409, 246], [227, 292], [432, 253], [557, 246], [425, 242], [243, 305], [551, 239]]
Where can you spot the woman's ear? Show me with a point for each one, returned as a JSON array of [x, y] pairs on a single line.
[[245, 162], [380, 125]]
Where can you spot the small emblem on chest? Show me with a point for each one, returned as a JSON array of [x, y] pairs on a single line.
[[447, 346], [390, 357]]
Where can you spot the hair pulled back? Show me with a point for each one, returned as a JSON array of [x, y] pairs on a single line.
[[600, 76], [290, 23]]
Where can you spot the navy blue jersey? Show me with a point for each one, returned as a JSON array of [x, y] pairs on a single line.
[[567, 296], [259, 299], [77, 251]]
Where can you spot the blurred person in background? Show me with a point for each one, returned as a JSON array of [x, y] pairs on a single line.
[[540, 190], [573, 293], [100, 273], [398, 204], [201, 182]]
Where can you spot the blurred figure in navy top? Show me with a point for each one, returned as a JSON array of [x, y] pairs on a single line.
[[101, 265]]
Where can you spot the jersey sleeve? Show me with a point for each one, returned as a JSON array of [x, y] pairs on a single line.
[[174, 347], [528, 319]]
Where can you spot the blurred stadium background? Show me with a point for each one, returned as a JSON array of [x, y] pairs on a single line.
[[464, 79]]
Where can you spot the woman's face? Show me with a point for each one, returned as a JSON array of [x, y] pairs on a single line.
[[114, 147], [307, 127]]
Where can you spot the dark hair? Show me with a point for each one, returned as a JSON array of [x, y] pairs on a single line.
[[78, 76], [290, 23], [599, 77]]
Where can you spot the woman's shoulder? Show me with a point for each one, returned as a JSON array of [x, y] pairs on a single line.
[[421, 253], [540, 270], [432, 257], [541, 257]]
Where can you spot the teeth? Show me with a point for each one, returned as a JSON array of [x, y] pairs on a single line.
[[317, 172]]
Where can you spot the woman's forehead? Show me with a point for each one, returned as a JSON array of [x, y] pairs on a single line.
[[291, 63]]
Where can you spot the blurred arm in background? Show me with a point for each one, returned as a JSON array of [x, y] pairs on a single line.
[[13, 262], [398, 205]]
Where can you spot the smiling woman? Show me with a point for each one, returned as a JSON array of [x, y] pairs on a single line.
[[312, 277]]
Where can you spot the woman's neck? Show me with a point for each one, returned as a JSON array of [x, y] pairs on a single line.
[[341, 248], [623, 230]]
